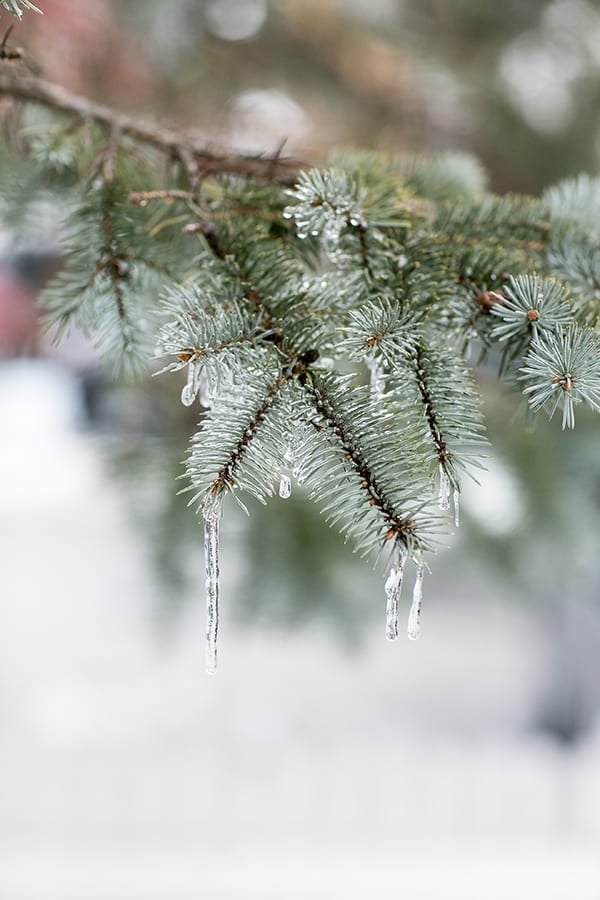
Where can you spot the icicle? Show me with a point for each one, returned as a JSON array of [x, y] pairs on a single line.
[[204, 389], [414, 616], [377, 380], [456, 501], [444, 495], [190, 389], [393, 586], [285, 486], [212, 516]]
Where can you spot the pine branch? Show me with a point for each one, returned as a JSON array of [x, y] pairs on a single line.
[[16, 7], [112, 277], [173, 144], [239, 444], [275, 301], [562, 370], [393, 495]]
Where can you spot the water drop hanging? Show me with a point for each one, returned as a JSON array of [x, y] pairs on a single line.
[[212, 517], [444, 495], [393, 587], [414, 616], [285, 486]]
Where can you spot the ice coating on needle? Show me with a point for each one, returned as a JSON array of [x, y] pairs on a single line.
[[190, 388], [456, 501], [414, 616], [377, 378]]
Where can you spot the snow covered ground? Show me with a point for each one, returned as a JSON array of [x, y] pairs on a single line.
[[301, 772]]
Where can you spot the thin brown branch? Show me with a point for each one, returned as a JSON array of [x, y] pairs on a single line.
[[434, 429], [398, 527], [143, 197], [174, 143]]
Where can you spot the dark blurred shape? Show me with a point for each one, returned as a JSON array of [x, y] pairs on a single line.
[[19, 331]]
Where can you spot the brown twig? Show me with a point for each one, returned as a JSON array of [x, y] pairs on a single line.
[[283, 170], [142, 197]]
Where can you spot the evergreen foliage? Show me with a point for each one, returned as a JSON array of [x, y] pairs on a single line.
[[16, 7], [277, 300]]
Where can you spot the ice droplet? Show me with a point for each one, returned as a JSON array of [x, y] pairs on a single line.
[[288, 212], [444, 495], [190, 389], [456, 501], [285, 486], [414, 616], [393, 586], [212, 516]]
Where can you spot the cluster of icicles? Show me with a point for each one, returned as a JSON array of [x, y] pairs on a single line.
[[393, 585], [198, 384]]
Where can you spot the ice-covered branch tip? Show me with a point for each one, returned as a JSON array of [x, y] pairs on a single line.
[[205, 160]]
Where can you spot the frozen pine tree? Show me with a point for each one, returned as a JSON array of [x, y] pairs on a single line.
[[328, 320]]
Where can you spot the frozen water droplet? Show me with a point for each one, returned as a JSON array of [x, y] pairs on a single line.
[[414, 616], [288, 212], [302, 235], [285, 486], [190, 389], [402, 260], [456, 501], [212, 516], [444, 495], [314, 232], [393, 586]]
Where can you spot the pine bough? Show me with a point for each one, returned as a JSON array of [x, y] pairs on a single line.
[[326, 327]]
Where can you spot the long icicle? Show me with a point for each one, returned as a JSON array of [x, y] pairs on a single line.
[[414, 616], [212, 518], [393, 586]]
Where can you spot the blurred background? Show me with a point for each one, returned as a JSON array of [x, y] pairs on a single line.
[[322, 762]]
